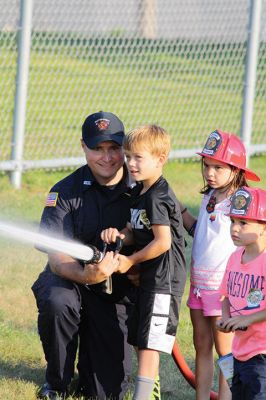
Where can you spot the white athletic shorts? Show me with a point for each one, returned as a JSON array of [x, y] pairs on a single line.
[[154, 320]]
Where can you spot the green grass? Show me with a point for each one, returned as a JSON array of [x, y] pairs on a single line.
[[22, 364]]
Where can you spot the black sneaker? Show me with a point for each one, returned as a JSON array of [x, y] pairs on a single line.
[[48, 393]]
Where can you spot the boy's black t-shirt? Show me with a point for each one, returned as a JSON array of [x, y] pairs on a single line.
[[159, 206]]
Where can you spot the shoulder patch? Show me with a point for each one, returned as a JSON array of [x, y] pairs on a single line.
[[51, 199]]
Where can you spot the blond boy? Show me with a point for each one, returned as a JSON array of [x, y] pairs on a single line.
[[156, 229]]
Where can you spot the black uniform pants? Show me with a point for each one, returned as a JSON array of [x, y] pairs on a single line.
[[104, 357]]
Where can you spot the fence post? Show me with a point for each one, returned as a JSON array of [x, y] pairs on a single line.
[[148, 19], [250, 73], [24, 43]]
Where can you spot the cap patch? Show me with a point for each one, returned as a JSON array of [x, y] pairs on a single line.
[[51, 199], [213, 143], [240, 202], [102, 124]]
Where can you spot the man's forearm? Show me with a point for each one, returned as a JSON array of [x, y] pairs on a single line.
[[66, 267], [89, 274]]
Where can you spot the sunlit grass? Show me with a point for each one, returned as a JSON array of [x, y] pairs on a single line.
[[22, 365]]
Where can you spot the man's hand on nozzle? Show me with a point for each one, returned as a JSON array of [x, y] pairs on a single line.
[[96, 273], [109, 235]]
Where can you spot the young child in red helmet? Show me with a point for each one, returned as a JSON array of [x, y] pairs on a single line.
[[244, 290], [224, 171]]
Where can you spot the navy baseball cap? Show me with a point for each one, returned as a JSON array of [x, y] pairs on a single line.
[[102, 127]]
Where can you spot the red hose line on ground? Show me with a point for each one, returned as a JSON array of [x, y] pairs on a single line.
[[185, 370]]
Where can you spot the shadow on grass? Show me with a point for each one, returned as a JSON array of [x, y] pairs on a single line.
[[21, 371], [31, 374]]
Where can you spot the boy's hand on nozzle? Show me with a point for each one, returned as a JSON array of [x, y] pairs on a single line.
[[124, 264], [109, 235]]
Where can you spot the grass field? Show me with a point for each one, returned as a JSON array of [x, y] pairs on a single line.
[[22, 364]]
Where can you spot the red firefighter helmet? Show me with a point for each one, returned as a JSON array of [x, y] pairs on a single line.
[[249, 203], [227, 148]]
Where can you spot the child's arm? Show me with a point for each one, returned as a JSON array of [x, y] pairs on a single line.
[[159, 245], [109, 235], [238, 322], [221, 324], [189, 221], [226, 308], [243, 321]]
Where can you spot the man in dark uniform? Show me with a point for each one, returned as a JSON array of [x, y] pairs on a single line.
[[71, 298]]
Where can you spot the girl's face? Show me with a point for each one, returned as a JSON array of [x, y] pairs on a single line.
[[217, 173]]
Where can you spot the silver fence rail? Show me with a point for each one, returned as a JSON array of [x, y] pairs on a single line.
[[190, 66]]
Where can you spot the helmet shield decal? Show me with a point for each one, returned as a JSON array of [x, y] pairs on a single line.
[[240, 203], [213, 143]]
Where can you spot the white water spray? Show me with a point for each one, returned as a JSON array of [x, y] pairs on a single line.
[[73, 249]]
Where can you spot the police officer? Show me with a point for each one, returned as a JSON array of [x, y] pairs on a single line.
[[71, 298]]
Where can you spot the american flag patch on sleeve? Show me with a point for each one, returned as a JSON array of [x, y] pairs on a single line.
[[51, 199]]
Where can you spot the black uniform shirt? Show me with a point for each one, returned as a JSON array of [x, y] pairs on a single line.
[[159, 206], [82, 209]]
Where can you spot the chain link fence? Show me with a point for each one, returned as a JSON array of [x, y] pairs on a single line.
[[177, 63]]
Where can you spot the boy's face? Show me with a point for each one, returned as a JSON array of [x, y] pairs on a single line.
[[143, 166], [245, 232]]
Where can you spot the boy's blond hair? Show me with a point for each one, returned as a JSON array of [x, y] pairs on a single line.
[[151, 138]]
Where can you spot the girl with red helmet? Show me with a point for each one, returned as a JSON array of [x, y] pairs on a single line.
[[224, 171], [244, 291]]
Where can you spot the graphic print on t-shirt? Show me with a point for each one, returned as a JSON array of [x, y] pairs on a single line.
[[139, 219], [248, 287]]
